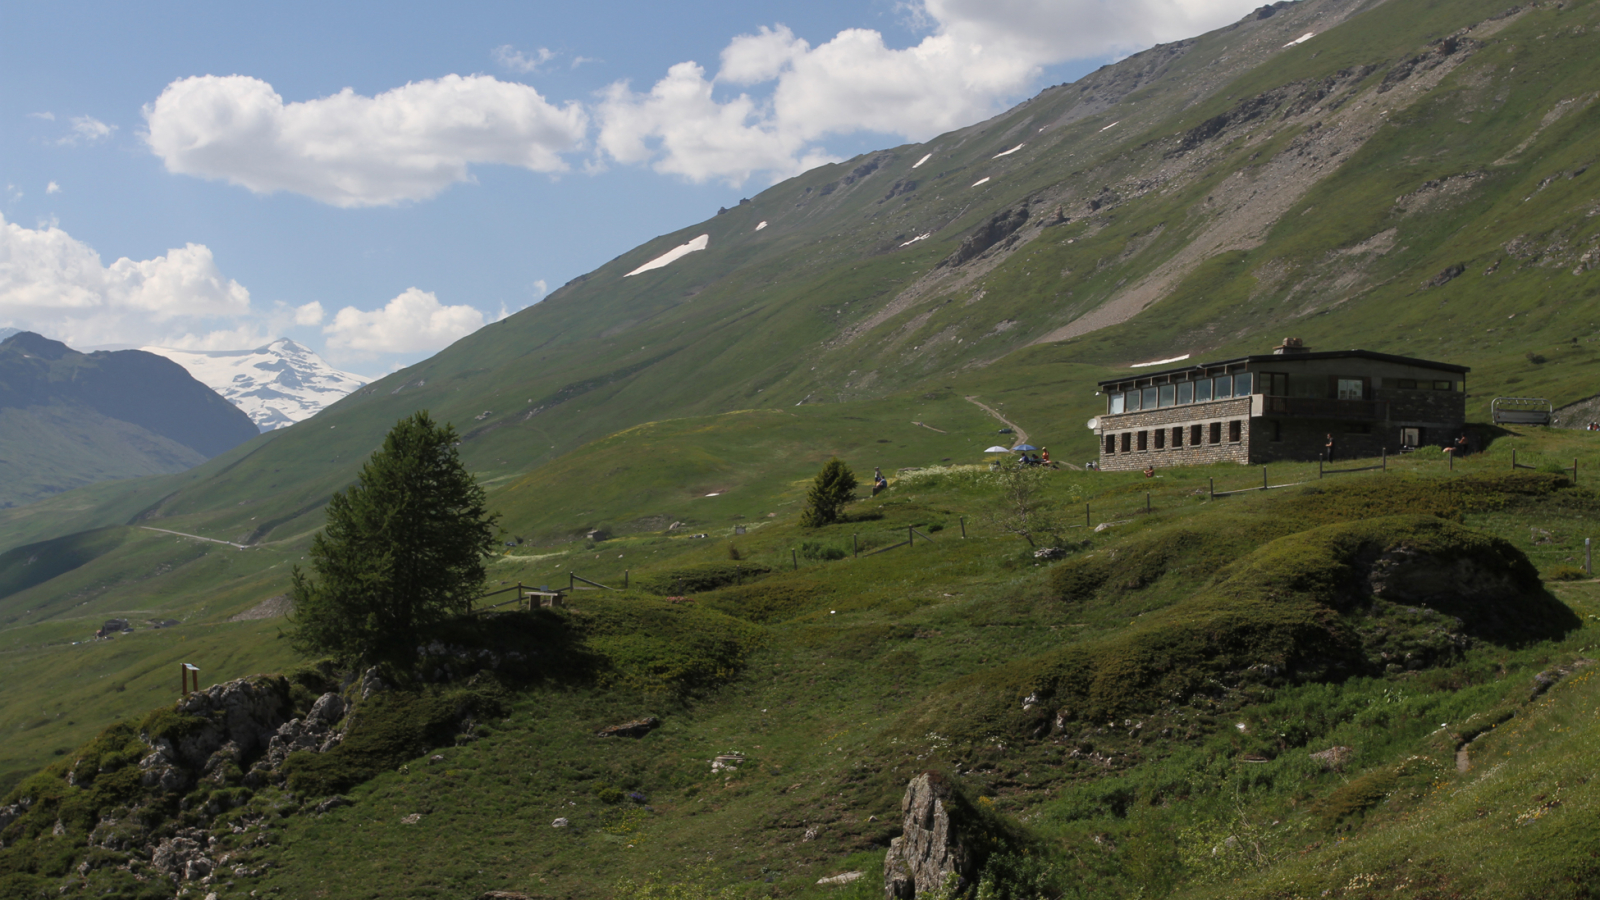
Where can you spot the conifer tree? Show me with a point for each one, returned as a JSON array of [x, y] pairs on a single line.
[[404, 548], [833, 487]]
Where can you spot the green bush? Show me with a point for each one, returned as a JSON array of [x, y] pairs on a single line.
[[820, 551], [1566, 573]]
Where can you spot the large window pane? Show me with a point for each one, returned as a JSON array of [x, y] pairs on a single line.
[[1241, 384], [1222, 387], [1116, 403], [1149, 399], [1202, 391], [1186, 392], [1168, 394], [1350, 389], [1131, 401]]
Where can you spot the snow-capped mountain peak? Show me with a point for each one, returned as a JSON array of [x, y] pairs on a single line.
[[276, 385]]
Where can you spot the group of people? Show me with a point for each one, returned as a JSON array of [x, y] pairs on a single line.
[[1592, 426], [1042, 459]]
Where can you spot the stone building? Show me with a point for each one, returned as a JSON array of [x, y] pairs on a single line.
[[1280, 406]]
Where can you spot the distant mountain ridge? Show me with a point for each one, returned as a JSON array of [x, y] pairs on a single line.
[[276, 385], [69, 419]]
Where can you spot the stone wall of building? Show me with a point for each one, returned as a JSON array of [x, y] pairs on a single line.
[[1223, 413]]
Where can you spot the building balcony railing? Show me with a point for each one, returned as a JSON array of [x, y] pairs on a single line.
[[1317, 408]]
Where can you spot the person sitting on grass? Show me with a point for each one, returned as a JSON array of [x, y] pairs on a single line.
[[1149, 471]]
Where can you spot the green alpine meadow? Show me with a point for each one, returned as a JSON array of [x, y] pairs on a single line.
[[602, 601]]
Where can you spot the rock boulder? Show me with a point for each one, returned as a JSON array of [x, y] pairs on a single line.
[[932, 846]]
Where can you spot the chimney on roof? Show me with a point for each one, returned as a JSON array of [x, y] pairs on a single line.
[[1290, 346]]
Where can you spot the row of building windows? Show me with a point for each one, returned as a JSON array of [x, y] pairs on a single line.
[[1174, 437], [1220, 388], [1223, 387]]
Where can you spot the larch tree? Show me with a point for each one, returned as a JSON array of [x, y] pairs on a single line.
[[404, 549], [833, 487]]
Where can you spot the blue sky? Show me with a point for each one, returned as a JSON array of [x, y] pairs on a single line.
[[177, 174]]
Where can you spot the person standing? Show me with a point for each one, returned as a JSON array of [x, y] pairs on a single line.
[[1328, 448]]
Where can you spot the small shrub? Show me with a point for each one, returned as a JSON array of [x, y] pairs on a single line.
[[1566, 573], [733, 552], [820, 551]]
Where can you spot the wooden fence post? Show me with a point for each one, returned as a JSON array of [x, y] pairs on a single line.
[[1147, 501], [1087, 523], [1211, 488], [1263, 478], [794, 558], [911, 536], [963, 528]]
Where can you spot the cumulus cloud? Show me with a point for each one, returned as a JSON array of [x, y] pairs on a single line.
[[52, 282], [412, 322], [978, 56], [52, 188], [514, 60], [309, 314], [349, 150]]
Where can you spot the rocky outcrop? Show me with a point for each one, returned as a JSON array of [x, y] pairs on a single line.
[[634, 729], [1000, 226], [932, 846]]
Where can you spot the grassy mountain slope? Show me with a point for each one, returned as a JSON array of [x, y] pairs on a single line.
[[69, 419], [1413, 178], [833, 687]]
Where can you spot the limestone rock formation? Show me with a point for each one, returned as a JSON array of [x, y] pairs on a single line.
[[932, 847]]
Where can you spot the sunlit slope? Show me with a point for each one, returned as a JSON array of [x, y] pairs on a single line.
[[1238, 186]]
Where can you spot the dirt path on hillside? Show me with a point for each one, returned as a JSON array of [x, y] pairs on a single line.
[[1022, 436], [195, 536]]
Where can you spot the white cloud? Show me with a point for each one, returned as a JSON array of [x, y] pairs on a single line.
[[979, 56], [514, 60], [348, 150], [52, 188], [51, 282], [308, 314], [47, 116], [412, 322], [580, 60], [87, 130]]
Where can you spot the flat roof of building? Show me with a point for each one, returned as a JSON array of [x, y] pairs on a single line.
[[1306, 355]]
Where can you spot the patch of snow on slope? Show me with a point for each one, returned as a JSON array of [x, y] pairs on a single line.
[[920, 237], [1160, 362], [922, 160], [980, 181], [673, 255], [761, 226], [276, 385], [1112, 125], [1302, 39], [1009, 152]]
